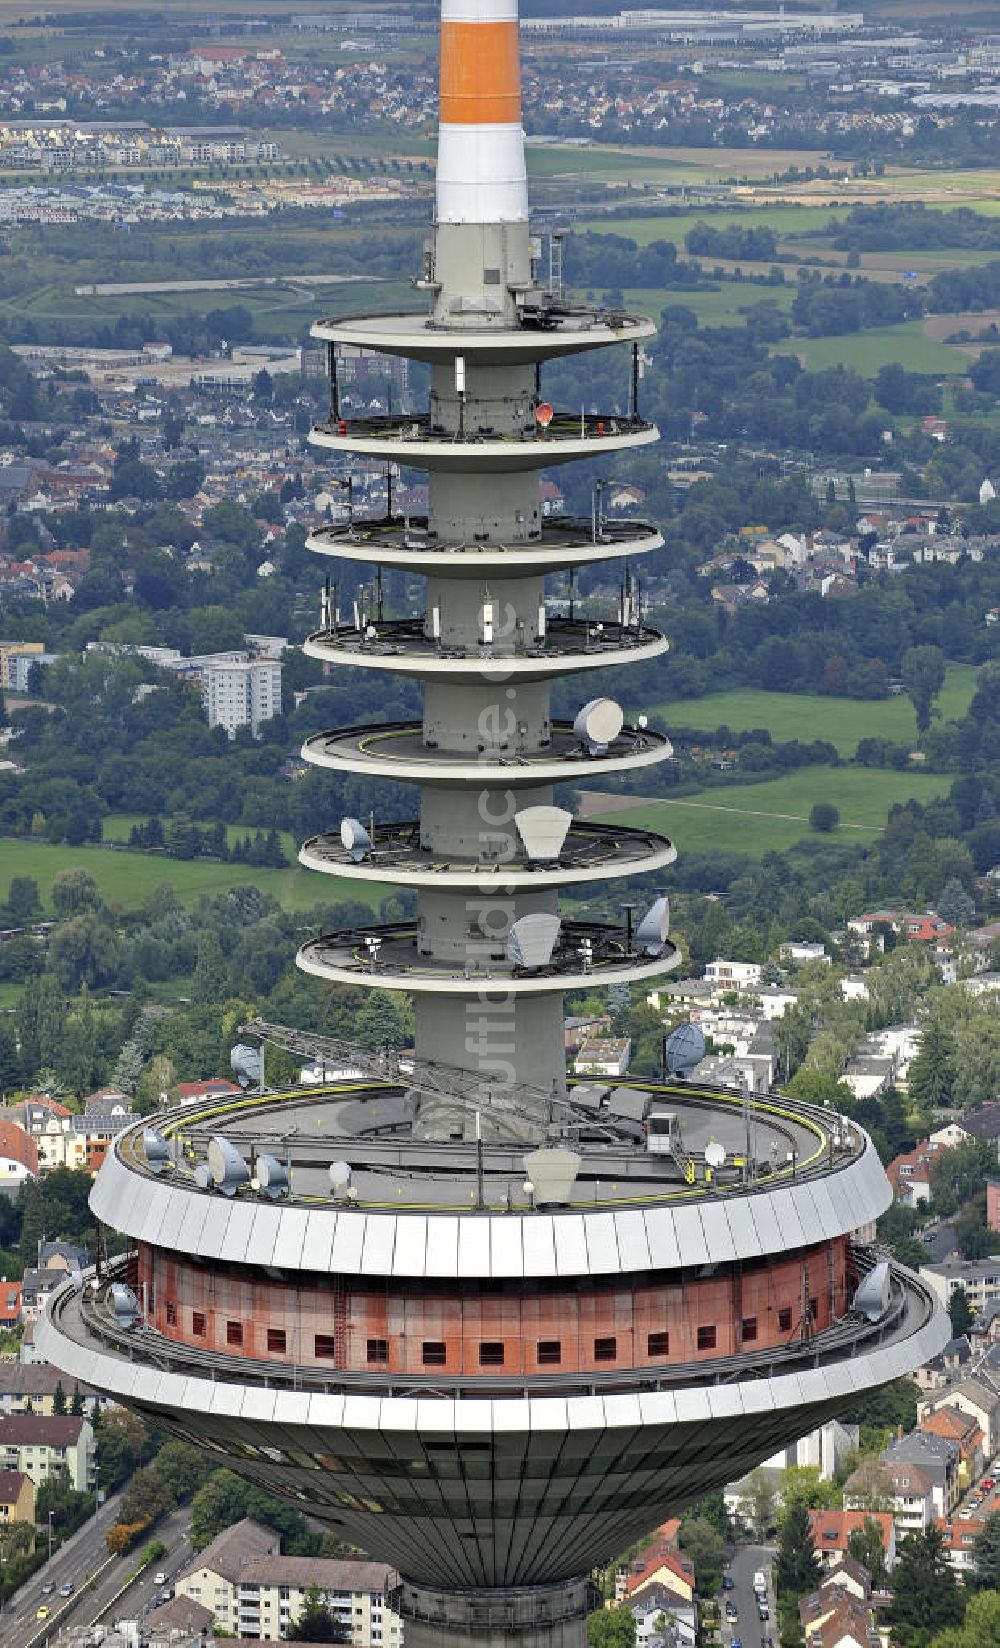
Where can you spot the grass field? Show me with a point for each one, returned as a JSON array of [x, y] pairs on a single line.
[[773, 816], [723, 306], [806, 716], [126, 878], [868, 351], [785, 220]]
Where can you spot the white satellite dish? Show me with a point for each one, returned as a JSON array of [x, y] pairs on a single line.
[[272, 1177], [340, 1177], [651, 933], [156, 1150], [356, 840], [543, 831], [715, 1154], [598, 724], [226, 1165], [531, 940]]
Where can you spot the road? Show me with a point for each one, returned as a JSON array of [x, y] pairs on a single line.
[[81, 1557], [747, 1559]]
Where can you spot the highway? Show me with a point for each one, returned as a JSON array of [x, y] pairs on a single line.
[[80, 1558]]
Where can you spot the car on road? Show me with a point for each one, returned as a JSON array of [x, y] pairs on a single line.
[[728, 1582], [737, 1642], [48, 1587], [762, 1610], [42, 1612], [160, 1578], [67, 1589], [731, 1612]]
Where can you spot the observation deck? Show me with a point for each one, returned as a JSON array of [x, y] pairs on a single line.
[[402, 646], [423, 444], [397, 750], [590, 852], [546, 330], [390, 956], [560, 542]]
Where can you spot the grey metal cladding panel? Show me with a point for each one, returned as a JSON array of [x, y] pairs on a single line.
[[348, 1242], [661, 1234], [506, 1255], [690, 1236], [236, 1244], [397, 1414], [765, 1222], [320, 1226], [622, 1411], [362, 1412], [538, 1239], [380, 1243], [743, 1227], [473, 1245], [633, 1244], [267, 1221], [715, 1223], [828, 1219], [877, 1185], [843, 1195], [442, 1245], [213, 1232], [436, 1415], [411, 1244], [124, 1202], [106, 1189], [571, 1244], [195, 1214], [602, 1243], [806, 1210], [172, 1222], [693, 1407], [789, 1223], [291, 1235]]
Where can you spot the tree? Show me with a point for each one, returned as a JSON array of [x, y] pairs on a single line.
[[955, 906], [316, 1623], [798, 1566], [23, 899], [931, 1076], [981, 1624], [707, 1550], [824, 817], [925, 1595], [146, 1498], [74, 892], [611, 1628], [758, 1504], [59, 1399], [182, 1468], [226, 1498], [986, 1556], [923, 678], [960, 1312], [865, 1545]]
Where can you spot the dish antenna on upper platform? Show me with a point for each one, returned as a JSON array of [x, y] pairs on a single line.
[[357, 842], [685, 1049], [598, 724]]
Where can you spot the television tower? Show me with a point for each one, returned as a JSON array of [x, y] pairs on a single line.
[[488, 1328]]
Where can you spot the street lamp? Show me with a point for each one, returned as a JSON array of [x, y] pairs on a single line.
[[51, 1515]]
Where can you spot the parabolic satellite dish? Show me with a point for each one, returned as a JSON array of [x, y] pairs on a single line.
[[685, 1049], [598, 724], [357, 842], [715, 1154]]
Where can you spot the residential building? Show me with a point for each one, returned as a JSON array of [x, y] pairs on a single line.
[[11, 655], [946, 1366], [993, 1205], [18, 1157], [733, 975], [912, 925], [801, 954], [241, 694], [967, 1435], [36, 1288], [30, 1387], [980, 1278], [910, 1174], [10, 1303], [832, 1529], [977, 1394], [958, 1536], [208, 1088], [17, 1497], [254, 1592], [608, 1056], [39, 1444], [935, 1458]]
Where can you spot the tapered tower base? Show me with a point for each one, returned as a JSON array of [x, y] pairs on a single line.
[[537, 1616]]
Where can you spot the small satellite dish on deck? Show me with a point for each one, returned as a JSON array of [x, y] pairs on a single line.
[[532, 939], [357, 842], [715, 1154], [247, 1064], [598, 724], [125, 1305], [544, 413], [226, 1165], [156, 1149], [272, 1177], [340, 1177], [685, 1049], [543, 831], [651, 933]]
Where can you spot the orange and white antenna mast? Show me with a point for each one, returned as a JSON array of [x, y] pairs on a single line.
[[480, 173]]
